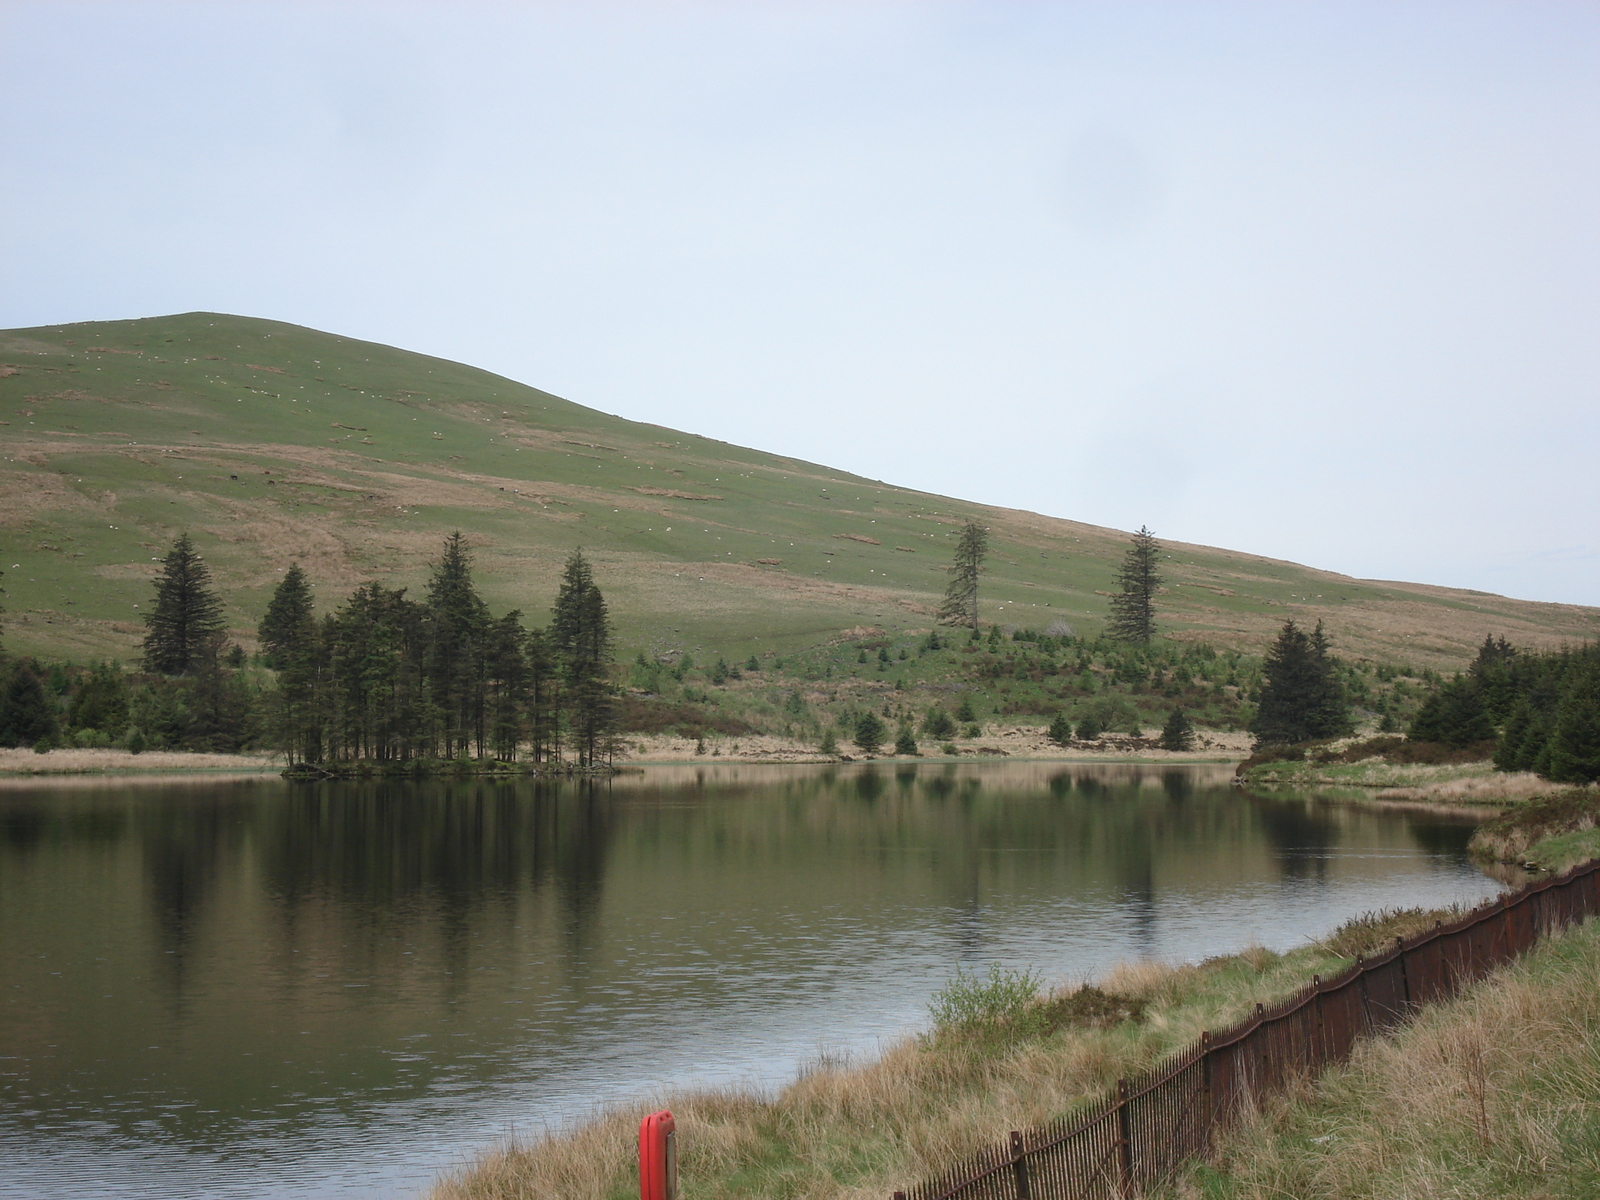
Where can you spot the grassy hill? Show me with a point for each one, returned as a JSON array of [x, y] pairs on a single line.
[[271, 443]]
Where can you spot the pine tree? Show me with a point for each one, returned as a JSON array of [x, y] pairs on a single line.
[[1177, 734], [906, 742], [1574, 743], [1061, 730], [543, 697], [27, 717], [507, 673], [185, 623], [288, 620], [869, 733], [1301, 696], [456, 648], [960, 605], [580, 634], [1455, 715], [1133, 613]]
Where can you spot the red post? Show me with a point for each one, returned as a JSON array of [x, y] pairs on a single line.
[[658, 1158]]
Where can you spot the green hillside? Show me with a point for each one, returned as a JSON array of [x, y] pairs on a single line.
[[271, 443]]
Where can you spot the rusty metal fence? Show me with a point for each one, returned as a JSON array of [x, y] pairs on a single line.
[[1137, 1137]]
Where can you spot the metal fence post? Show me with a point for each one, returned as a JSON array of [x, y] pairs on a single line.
[[1124, 1138], [1320, 1055], [1019, 1166], [1405, 979], [1366, 994]]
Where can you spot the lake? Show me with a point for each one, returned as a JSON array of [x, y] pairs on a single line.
[[256, 988]]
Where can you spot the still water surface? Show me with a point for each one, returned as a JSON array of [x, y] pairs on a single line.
[[260, 989]]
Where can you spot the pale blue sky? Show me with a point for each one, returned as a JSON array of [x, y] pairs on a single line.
[[1318, 281]]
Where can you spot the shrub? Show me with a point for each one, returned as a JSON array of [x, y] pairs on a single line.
[[997, 1004], [939, 724], [950, 748], [135, 740], [1088, 729]]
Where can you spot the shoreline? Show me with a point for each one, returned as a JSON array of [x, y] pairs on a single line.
[[855, 1129]]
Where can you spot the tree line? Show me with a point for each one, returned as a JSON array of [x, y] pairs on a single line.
[[1540, 709], [387, 678], [382, 677]]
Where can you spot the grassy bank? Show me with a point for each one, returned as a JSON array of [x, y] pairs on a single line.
[[1001, 1057], [1492, 1094], [1392, 768], [1555, 829]]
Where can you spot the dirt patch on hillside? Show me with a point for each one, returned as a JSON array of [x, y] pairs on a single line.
[[27, 496]]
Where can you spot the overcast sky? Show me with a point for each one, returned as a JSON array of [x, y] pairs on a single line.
[[1318, 281]]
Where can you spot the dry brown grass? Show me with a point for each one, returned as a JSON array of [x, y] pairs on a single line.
[[1493, 1094], [1498, 788], [108, 762]]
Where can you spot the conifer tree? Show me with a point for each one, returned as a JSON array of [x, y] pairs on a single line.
[[26, 715], [580, 634], [869, 733], [288, 619], [543, 693], [1455, 715], [1574, 743], [459, 622], [1060, 730], [1177, 733], [1302, 697], [507, 676], [1133, 611], [185, 623], [960, 606]]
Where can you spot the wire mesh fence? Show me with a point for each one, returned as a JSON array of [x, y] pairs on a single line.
[[1137, 1137]]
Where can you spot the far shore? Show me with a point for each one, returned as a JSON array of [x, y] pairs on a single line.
[[25, 764], [1021, 743]]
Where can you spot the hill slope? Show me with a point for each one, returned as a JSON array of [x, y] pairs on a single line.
[[272, 442]]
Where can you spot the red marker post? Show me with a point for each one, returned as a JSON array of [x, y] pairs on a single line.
[[658, 1158]]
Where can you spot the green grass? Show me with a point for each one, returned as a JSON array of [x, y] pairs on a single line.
[[270, 442]]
